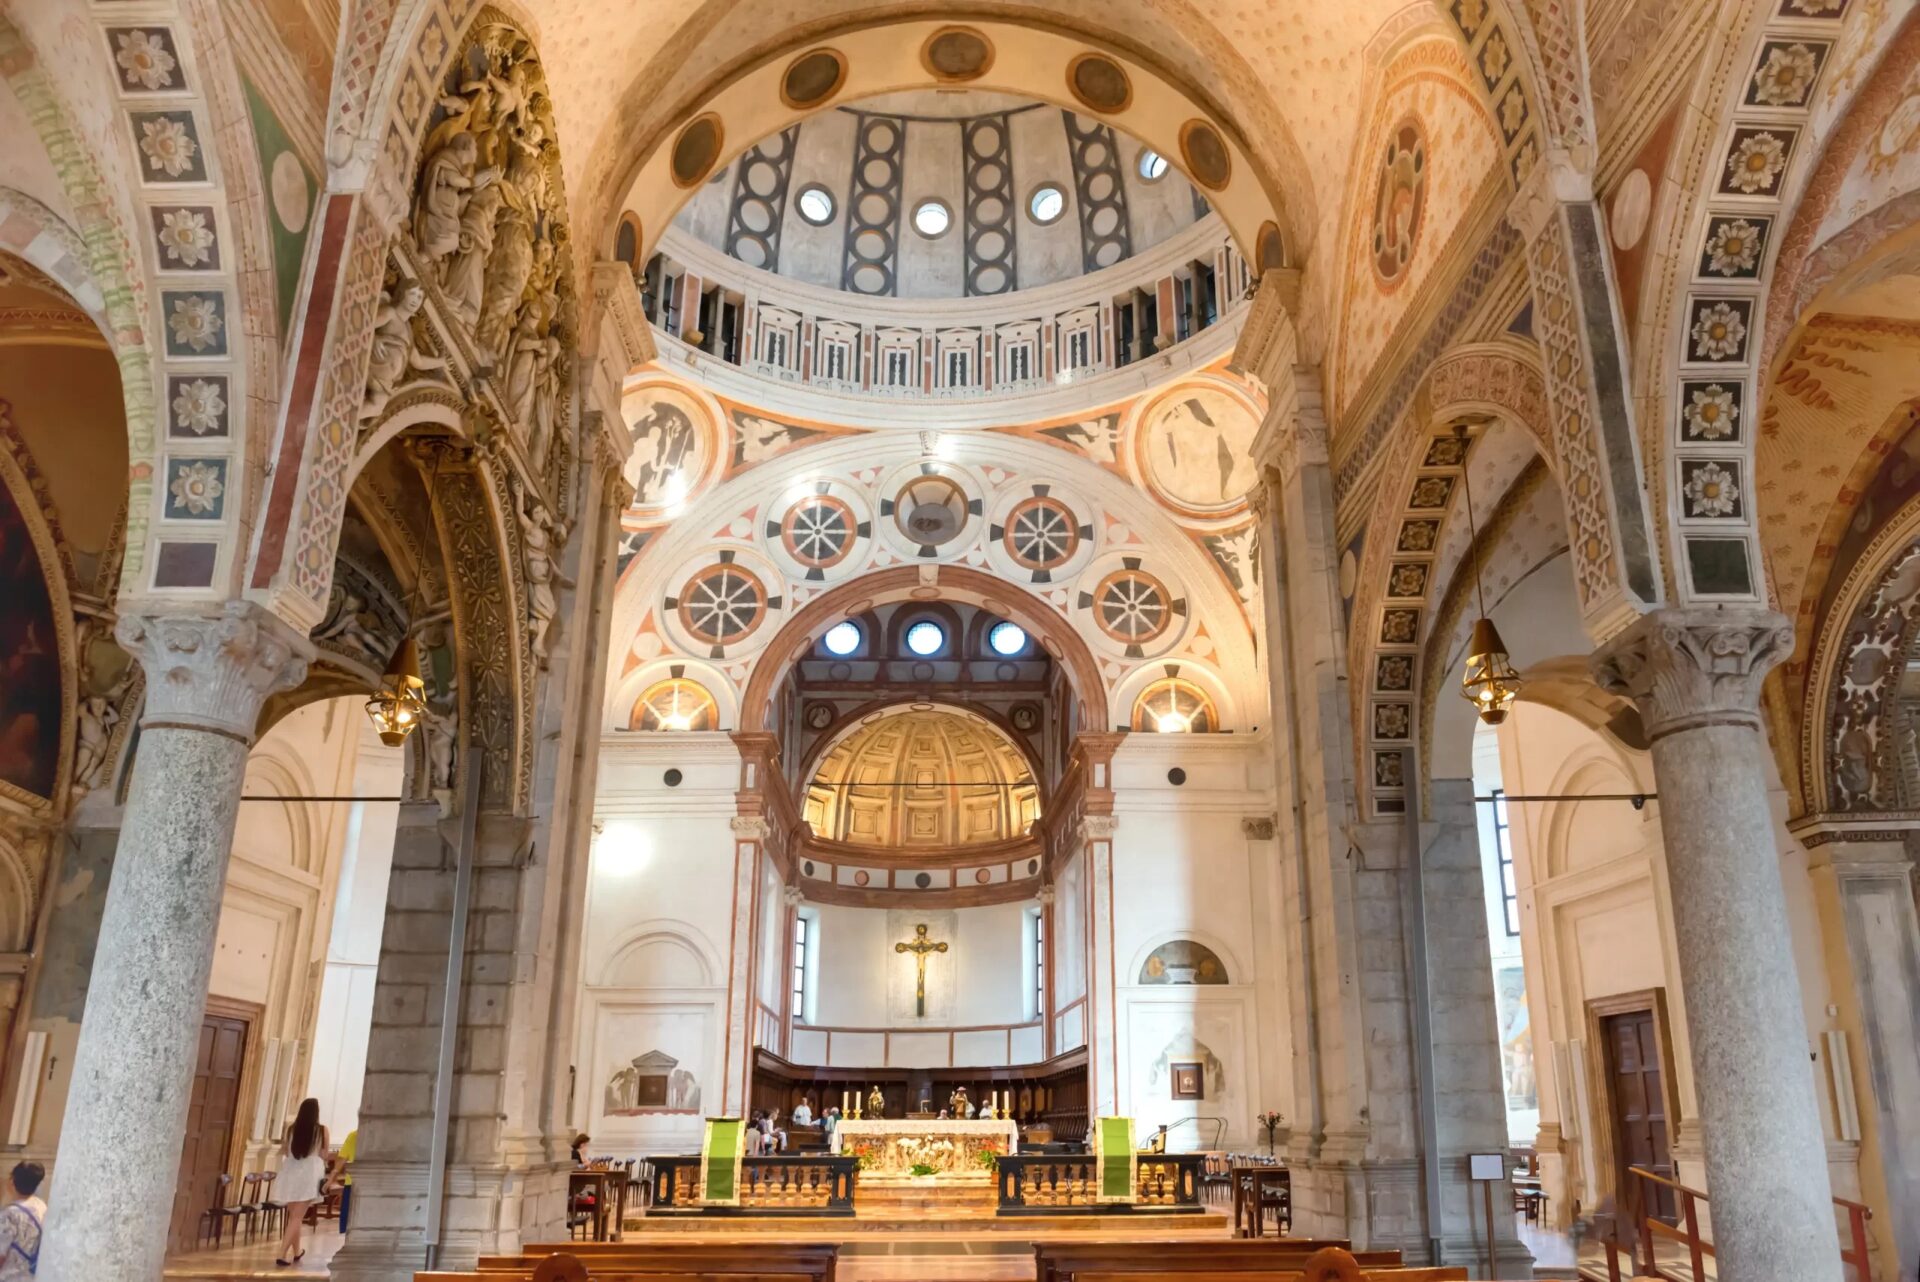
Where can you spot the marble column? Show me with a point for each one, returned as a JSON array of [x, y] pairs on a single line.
[[1695, 673], [207, 675]]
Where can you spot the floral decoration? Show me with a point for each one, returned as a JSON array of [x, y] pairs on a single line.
[[1733, 248], [1786, 77], [144, 60], [185, 237], [195, 322], [198, 406], [1712, 413], [1719, 332], [167, 145], [197, 487], [1712, 491], [1756, 163]]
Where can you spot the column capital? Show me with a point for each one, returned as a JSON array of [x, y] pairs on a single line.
[[1098, 827], [213, 671], [750, 827], [1558, 179], [1688, 666]]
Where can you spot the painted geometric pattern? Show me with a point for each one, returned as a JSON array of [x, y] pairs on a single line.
[[1720, 330], [1595, 560], [1495, 50]]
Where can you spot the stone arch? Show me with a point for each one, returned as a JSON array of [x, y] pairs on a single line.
[[99, 254], [912, 582], [284, 775], [1851, 758], [1748, 156], [1418, 496], [1598, 767]]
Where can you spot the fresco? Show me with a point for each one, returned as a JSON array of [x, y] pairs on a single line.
[[30, 684]]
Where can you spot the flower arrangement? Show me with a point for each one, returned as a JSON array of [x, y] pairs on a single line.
[[921, 1169], [1272, 1120], [987, 1161]]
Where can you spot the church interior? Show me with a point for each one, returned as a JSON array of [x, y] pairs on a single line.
[[960, 639]]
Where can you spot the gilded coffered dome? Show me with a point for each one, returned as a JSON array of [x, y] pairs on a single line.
[[922, 777]]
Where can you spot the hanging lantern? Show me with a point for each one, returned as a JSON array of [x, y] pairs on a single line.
[[1490, 682], [400, 703]]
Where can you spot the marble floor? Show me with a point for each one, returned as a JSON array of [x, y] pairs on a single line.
[[254, 1259]]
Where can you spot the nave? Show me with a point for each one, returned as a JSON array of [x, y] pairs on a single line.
[[623, 623]]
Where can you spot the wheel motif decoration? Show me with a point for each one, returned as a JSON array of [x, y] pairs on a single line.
[[1040, 534], [722, 604], [1132, 607], [818, 531]]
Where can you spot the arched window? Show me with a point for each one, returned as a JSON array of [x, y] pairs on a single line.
[[1173, 706], [675, 704]]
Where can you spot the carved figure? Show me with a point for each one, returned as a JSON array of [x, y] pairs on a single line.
[[466, 274], [349, 623], [543, 540], [508, 270], [394, 349], [97, 715], [446, 184], [443, 730]]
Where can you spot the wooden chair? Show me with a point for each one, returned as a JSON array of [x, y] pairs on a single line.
[[215, 1218], [271, 1209]]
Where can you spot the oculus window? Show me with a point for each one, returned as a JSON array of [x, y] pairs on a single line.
[[932, 218], [1153, 165], [842, 638], [816, 205], [926, 638], [1047, 203], [1006, 639]]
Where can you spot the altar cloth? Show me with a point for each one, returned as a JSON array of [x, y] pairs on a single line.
[[955, 1149]]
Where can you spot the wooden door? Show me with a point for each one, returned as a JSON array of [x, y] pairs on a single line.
[[1637, 1088], [212, 1111]]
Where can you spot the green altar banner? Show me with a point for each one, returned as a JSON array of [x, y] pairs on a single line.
[[721, 1153], [1116, 1160]]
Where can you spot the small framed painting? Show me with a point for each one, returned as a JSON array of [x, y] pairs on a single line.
[[1188, 1082]]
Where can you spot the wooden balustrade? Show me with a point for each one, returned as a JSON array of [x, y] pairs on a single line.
[[798, 1185], [1643, 1231], [1045, 1183]]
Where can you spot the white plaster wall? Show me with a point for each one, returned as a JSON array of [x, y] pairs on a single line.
[[353, 945], [1184, 867], [659, 923], [1070, 954], [983, 966], [809, 253], [1040, 154], [932, 267]]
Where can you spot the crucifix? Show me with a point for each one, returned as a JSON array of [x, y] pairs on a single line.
[[920, 947]]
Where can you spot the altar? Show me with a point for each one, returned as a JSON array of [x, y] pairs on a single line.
[[957, 1150]]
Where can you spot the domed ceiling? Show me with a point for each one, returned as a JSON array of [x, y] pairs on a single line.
[[922, 776], [941, 194]]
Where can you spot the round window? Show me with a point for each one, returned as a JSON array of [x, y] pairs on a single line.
[[1047, 203], [926, 638], [842, 638], [816, 205], [932, 218], [1153, 165], [1007, 639]]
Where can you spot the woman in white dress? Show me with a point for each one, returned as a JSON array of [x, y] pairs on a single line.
[[303, 1170]]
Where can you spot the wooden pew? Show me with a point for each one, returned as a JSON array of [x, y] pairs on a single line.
[[1329, 1264], [1064, 1260], [787, 1262]]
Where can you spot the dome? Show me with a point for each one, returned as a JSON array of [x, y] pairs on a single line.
[[940, 194], [922, 777]]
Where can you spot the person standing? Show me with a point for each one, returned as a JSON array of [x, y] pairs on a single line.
[[20, 1222], [348, 1147], [303, 1174]]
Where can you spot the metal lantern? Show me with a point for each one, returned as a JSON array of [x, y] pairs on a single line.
[[1490, 682], [400, 702]]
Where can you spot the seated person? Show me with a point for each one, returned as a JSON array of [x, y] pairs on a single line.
[[580, 1142], [830, 1119], [757, 1137], [776, 1134], [803, 1113]]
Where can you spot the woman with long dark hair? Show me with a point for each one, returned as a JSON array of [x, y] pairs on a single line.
[[303, 1172]]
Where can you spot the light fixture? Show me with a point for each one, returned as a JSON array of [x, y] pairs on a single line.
[[399, 703], [1490, 682]]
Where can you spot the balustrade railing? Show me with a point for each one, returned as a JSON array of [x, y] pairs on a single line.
[[1644, 1232], [1047, 1183], [800, 1185]]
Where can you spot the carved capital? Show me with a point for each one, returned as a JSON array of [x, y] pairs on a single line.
[[1557, 180], [1046, 895], [791, 896], [1098, 827], [751, 828], [1695, 665], [1257, 827], [1268, 339], [213, 671]]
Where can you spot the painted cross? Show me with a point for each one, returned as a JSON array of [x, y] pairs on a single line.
[[921, 947]]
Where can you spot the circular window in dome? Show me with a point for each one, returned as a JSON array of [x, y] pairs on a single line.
[[842, 639], [816, 205], [1047, 203], [1007, 639], [722, 604], [930, 510], [1153, 165], [926, 638], [1132, 607], [931, 218]]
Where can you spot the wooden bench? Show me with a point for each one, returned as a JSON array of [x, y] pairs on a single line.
[[1329, 1264], [785, 1262], [1064, 1261]]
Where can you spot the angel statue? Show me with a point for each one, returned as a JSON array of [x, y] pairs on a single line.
[[394, 349]]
